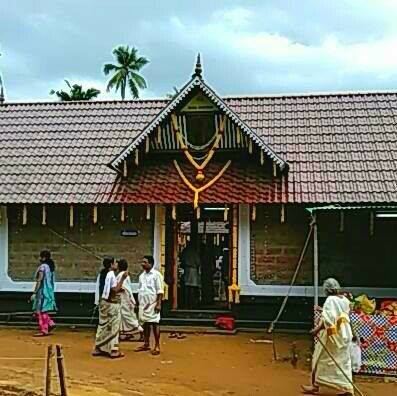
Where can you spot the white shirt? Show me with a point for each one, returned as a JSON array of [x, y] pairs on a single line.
[[151, 283], [110, 282]]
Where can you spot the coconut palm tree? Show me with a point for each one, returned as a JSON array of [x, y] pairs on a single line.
[[76, 93], [125, 71]]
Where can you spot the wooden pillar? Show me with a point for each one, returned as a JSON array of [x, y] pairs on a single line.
[[315, 260], [162, 213], [61, 370], [48, 370], [175, 265]]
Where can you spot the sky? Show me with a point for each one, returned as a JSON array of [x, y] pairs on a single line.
[[248, 47]]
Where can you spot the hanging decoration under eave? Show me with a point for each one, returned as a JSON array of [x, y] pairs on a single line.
[[71, 216], [24, 215], [43, 216], [95, 214], [198, 190], [234, 288], [200, 176]]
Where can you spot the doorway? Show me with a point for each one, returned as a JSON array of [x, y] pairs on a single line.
[[200, 258]]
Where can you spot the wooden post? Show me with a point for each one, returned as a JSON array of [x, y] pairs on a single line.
[[61, 370], [175, 266], [48, 370], [315, 260]]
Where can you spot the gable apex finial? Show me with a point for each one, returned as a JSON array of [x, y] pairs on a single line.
[[198, 70]]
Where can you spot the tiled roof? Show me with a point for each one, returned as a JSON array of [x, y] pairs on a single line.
[[341, 148], [159, 182]]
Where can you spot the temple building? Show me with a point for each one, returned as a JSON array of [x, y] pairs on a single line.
[[225, 192]]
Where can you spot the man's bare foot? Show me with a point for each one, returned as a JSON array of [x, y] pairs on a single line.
[[310, 390], [156, 351], [142, 348]]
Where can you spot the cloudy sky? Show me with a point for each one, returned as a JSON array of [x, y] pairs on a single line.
[[248, 47]]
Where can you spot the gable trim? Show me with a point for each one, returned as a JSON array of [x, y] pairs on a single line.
[[196, 82]]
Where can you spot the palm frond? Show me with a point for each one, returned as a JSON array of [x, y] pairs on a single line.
[[133, 89], [138, 79], [114, 81], [108, 67], [140, 62]]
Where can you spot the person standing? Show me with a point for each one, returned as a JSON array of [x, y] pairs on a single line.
[[190, 262], [129, 320], [43, 297], [108, 331], [335, 333], [150, 295]]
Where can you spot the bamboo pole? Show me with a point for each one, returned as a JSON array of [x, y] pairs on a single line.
[[48, 370], [61, 370]]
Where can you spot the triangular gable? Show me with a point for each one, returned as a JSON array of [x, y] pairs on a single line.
[[196, 82]]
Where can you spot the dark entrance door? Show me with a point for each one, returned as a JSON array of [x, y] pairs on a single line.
[[200, 260]]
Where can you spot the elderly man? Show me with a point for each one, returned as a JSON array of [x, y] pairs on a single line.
[[150, 295], [335, 333]]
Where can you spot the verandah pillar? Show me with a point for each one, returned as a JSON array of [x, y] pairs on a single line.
[[315, 259]]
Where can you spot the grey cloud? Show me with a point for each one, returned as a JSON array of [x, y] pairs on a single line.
[[47, 40]]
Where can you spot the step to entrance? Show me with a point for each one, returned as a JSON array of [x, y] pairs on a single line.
[[208, 314]]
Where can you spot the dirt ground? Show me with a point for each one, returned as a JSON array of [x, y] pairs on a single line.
[[212, 365]]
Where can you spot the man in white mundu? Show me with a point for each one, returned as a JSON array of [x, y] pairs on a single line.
[[150, 295]]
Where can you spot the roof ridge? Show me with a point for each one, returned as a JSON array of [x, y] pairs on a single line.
[[54, 102], [234, 96], [313, 94]]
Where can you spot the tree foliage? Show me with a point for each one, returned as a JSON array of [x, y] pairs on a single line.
[[76, 92], [125, 72]]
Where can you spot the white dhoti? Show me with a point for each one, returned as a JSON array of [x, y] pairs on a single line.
[[337, 337], [147, 311], [129, 320], [151, 288]]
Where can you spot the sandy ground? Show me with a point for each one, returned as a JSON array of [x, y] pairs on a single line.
[[212, 365]]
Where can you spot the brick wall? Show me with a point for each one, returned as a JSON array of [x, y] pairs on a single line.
[[275, 247], [73, 263], [353, 255]]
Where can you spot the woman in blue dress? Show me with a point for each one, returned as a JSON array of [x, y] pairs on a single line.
[[43, 297]]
